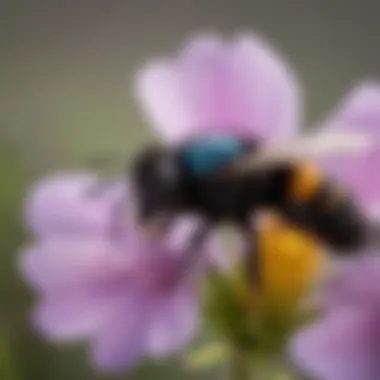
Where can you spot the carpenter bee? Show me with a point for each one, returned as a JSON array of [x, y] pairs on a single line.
[[229, 179]]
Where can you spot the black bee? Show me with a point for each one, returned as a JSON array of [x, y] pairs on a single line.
[[229, 179]]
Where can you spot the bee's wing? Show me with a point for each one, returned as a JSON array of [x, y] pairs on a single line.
[[312, 146]]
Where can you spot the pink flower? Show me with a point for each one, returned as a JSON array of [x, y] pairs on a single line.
[[344, 343], [239, 87], [110, 290], [359, 111]]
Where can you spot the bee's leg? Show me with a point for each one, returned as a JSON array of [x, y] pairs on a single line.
[[193, 251], [252, 254]]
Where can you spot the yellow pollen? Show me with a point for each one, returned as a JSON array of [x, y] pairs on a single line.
[[290, 263]]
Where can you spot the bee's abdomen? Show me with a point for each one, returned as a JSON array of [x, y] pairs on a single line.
[[320, 206]]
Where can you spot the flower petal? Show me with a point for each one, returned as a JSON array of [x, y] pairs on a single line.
[[66, 205], [360, 111], [214, 86], [120, 343], [174, 322], [355, 283], [58, 265], [73, 316], [270, 97], [343, 346]]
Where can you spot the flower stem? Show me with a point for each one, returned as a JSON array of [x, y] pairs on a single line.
[[239, 366]]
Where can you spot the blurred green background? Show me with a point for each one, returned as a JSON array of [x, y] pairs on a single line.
[[66, 72]]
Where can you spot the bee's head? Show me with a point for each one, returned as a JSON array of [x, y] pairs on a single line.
[[156, 179]]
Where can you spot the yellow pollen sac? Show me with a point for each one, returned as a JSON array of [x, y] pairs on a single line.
[[290, 262]]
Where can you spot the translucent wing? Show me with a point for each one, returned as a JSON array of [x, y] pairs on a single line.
[[312, 146]]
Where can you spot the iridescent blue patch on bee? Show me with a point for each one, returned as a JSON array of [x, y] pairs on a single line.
[[205, 156]]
